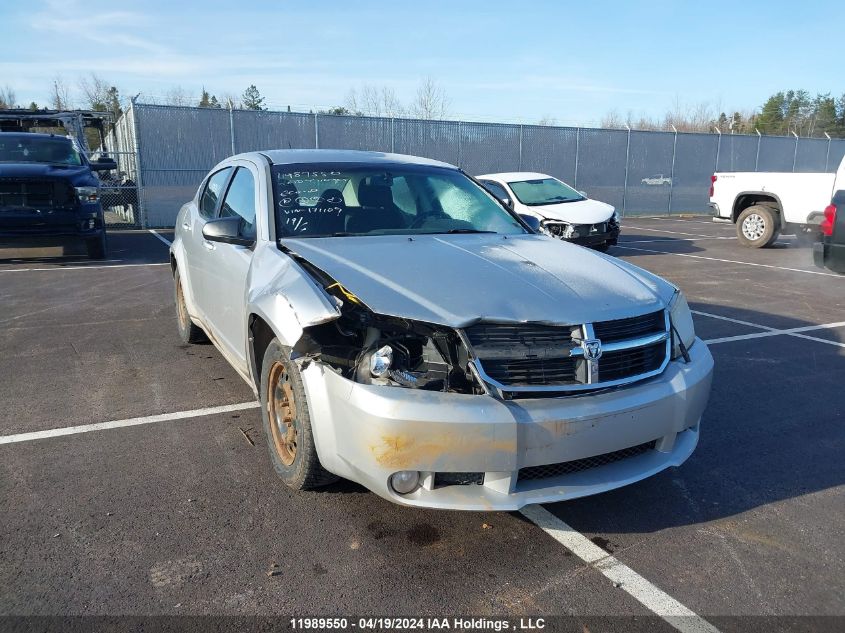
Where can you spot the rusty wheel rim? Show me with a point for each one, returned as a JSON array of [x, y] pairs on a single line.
[[181, 309], [281, 408]]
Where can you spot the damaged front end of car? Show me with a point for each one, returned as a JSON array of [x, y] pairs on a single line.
[[375, 349]]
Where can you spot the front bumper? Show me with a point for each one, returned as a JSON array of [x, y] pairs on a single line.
[[18, 224], [366, 433]]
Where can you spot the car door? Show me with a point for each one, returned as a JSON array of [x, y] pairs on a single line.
[[227, 275], [196, 247]]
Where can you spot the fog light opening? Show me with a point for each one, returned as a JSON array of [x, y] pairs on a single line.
[[405, 481]]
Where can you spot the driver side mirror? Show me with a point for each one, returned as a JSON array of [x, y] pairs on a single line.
[[227, 231], [532, 222]]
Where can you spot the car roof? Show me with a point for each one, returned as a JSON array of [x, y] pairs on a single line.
[[515, 176], [295, 156]]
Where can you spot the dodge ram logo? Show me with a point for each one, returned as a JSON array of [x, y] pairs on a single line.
[[592, 348]]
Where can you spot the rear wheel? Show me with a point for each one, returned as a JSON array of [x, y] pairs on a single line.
[[757, 227], [287, 422], [96, 246], [188, 332]]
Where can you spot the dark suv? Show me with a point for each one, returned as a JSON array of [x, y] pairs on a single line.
[[49, 193]]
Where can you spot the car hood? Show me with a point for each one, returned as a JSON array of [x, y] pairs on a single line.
[[457, 280], [80, 174], [581, 212]]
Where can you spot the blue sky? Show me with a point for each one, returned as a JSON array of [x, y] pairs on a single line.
[[571, 61]]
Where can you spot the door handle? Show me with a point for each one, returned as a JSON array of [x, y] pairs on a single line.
[[208, 245], [186, 226]]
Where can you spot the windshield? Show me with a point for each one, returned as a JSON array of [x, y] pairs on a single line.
[[55, 151], [320, 200], [544, 191]]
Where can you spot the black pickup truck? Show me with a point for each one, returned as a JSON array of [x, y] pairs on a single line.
[[830, 252], [49, 193]]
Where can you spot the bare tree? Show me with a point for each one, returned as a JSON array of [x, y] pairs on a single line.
[[95, 92], [60, 94], [374, 101], [431, 101], [178, 96], [8, 98], [547, 120], [230, 101], [612, 121]]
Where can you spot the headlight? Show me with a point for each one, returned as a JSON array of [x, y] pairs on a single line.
[[87, 195], [615, 219], [683, 330], [381, 360]]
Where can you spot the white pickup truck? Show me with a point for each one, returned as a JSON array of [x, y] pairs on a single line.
[[765, 204]]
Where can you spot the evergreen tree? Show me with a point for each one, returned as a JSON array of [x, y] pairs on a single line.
[[252, 99], [205, 99]]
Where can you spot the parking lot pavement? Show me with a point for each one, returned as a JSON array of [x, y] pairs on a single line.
[[184, 516]]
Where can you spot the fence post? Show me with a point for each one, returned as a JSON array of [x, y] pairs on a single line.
[[316, 132], [757, 158], [520, 148], [718, 147], [577, 149], [672, 174], [627, 156], [139, 181], [460, 131], [795, 153], [827, 158], [232, 128], [392, 135]]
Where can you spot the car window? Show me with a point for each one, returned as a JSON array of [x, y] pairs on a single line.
[[403, 197], [544, 191], [496, 189], [240, 202], [212, 192]]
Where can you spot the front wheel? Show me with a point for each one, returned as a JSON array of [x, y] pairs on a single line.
[[188, 332], [287, 422], [757, 227]]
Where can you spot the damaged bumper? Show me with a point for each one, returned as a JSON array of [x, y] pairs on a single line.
[[476, 452]]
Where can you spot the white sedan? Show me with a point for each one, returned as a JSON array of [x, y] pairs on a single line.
[[562, 211]]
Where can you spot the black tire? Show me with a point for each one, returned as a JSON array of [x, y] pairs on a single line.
[[188, 331], [96, 247], [602, 248], [284, 404], [757, 226]]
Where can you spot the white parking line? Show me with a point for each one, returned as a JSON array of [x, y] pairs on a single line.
[[733, 261], [670, 240], [116, 424], [643, 228], [30, 270], [647, 594], [770, 331], [160, 236]]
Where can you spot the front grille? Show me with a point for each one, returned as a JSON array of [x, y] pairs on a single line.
[[441, 480], [630, 362], [529, 335], [621, 329], [533, 371], [576, 466], [525, 355], [37, 194]]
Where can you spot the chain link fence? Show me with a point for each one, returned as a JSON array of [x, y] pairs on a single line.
[[164, 152]]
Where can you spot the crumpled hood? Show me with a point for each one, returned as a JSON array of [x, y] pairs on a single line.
[[78, 175], [581, 212], [456, 280]]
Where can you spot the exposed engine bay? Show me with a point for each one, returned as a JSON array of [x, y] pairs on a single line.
[[375, 349]]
